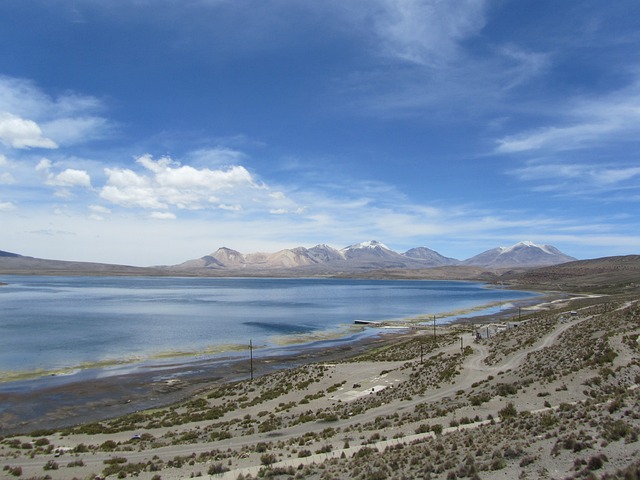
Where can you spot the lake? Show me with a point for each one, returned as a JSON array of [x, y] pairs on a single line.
[[57, 324]]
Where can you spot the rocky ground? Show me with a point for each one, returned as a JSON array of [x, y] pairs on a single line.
[[553, 396]]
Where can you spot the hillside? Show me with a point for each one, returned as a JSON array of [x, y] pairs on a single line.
[[603, 275], [14, 264], [522, 254], [608, 274]]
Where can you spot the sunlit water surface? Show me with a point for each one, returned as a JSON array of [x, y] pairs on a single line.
[[50, 324]]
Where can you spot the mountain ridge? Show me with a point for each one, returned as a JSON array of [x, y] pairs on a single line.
[[322, 259], [523, 253], [375, 255]]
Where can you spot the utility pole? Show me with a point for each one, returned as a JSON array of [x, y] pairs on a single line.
[[434, 327], [461, 347], [251, 357]]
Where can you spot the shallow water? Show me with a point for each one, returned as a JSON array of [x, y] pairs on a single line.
[[55, 324]]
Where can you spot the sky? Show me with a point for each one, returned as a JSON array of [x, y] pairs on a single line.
[[148, 132]]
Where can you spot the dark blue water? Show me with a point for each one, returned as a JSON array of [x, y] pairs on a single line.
[[56, 323]]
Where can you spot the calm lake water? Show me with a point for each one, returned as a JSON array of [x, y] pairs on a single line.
[[56, 323]]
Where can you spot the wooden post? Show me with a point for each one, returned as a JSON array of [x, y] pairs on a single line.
[[251, 357]]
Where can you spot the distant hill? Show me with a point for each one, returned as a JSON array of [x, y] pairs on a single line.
[[607, 274], [522, 254], [433, 258], [14, 264]]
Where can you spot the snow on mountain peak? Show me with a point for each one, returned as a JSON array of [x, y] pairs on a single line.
[[525, 253], [525, 243], [367, 245]]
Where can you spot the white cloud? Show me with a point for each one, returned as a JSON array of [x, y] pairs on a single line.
[[33, 119], [7, 206], [69, 131], [44, 165], [173, 175], [441, 77], [426, 32], [129, 195], [578, 178], [99, 209], [217, 156], [168, 184], [231, 208], [583, 123], [6, 178], [610, 176], [556, 138], [163, 216], [69, 177], [549, 170], [277, 195], [22, 97], [520, 67], [16, 132], [98, 212], [26, 99]]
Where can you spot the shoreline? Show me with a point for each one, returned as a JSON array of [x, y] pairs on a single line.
[[98, 399], [91, 396], [349, 332]]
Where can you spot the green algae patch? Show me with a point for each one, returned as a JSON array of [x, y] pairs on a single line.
[[302, 338]]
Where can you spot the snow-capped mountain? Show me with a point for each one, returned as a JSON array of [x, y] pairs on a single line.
[[324, 253], [375, 254], [372, 255], [370, 245], [522, 254], [371, 249]]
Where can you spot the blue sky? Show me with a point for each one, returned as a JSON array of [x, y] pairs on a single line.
[[153, 132]]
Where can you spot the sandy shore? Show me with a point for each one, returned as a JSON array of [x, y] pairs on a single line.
[[76, 400]]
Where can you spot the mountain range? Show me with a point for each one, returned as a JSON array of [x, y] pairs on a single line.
[[357, 259], [372, 255]]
